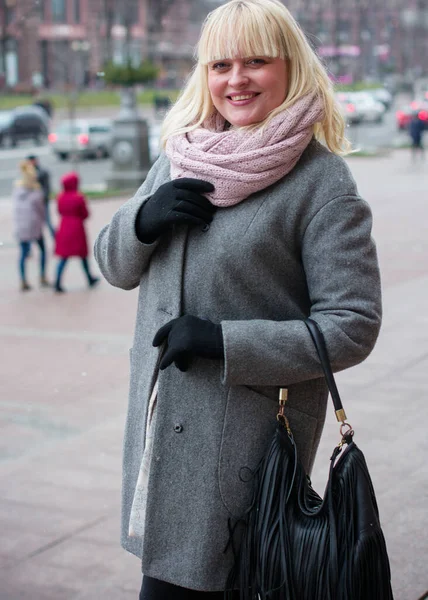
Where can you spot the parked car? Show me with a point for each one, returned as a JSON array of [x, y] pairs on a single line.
[[23, 123], [382, 95], [348, 107], [403, 116], [371, 110], [360, 106], [84, 138], [46, 105], [162, 104]]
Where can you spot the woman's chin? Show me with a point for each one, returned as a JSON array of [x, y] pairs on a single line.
[[243, 120]]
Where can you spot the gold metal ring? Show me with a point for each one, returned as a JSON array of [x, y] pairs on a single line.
[[343, 433]]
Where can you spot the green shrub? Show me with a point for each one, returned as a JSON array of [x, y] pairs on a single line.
[[128, 74], [358, 86], [87, 98]]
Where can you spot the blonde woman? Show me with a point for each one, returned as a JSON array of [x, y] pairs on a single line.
[[29, 217], [248, 223]]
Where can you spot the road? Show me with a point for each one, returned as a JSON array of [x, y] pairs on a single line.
[[94, 172], [372, 136]]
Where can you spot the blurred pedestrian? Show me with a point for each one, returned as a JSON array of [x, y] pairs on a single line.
[[416, 131], [29, 217], [71, 236], [249, 222], [44, 180]]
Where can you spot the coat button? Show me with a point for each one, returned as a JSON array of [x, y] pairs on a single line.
[[205, 227], [178, 428]]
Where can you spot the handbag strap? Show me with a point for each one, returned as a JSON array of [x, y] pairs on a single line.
[[320, 345]]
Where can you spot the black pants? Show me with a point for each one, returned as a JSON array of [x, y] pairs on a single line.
[[154, 589]]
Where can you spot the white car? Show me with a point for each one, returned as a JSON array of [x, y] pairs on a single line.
[[371, 110], [382, 95], [349, 108], [84, 138], [360, 106]]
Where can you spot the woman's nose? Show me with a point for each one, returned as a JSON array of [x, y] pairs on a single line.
[[238, 78]]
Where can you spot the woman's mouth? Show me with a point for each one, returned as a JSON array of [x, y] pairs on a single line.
[[242, 99]]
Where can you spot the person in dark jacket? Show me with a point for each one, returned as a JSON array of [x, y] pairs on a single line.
[[43, 177], [71, 236], [416, 131]]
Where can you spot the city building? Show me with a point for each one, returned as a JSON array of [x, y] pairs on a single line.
[[65, 43]]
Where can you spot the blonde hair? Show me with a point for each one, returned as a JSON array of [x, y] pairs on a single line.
[[242, 28], [28, 176]]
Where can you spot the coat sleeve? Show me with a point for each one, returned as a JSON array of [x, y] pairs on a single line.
[[340, 262], [84, 211], [121, 257], [39, 205], [59, 205]]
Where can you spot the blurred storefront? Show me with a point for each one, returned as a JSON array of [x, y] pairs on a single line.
[[57, 43]]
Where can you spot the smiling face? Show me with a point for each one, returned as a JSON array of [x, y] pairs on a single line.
[[246, 90]]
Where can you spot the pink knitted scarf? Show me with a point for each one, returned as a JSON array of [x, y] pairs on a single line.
[[240, 163]]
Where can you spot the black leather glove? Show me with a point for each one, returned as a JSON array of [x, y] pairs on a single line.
[[189, 336], [177, 201]]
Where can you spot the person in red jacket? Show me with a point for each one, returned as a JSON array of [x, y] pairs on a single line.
[[70, 239]]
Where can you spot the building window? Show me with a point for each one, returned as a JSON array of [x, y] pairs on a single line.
[[134, 9], [59, 11], [76, 11], [41, 9], [10, 14], [128, 14]]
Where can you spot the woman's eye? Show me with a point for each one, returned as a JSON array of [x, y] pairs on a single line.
[[257, 61], [218, 66]]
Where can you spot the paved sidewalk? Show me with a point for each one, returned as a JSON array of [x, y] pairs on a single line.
[[64, 376]]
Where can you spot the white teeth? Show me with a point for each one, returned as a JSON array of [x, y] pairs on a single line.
[[247, 97]]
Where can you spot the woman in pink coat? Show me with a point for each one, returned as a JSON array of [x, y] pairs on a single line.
[[70, 238]]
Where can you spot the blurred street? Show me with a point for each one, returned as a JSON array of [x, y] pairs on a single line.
[[64, 374], [368, 137], [93, 173]]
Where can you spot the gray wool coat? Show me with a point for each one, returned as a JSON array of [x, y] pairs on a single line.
[[28, 213], [302, 246]]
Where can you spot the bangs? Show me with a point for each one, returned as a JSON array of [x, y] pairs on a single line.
[[239, 30]]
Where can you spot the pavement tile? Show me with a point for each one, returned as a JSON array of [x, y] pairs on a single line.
[[106, 532], [16, 590], [51, 496], [407, 545], [49, 583], [63, 402]]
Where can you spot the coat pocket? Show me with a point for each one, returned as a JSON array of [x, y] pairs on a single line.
[[249, 426]]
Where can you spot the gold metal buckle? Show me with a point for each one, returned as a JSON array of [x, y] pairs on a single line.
[[343, 433], [341, 415], [283, 396]]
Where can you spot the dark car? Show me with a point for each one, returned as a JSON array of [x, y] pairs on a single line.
[[23, 123], [162, 104]]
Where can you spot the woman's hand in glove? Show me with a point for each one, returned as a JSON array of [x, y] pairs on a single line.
[[187, 337], [177, 201]]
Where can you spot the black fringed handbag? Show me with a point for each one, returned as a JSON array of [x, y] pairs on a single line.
[[298, 546]]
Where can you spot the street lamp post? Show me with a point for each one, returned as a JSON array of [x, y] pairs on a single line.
[[79, 49], [130, 146]]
